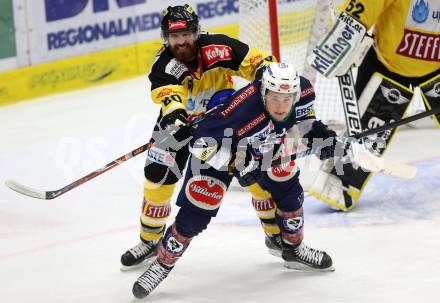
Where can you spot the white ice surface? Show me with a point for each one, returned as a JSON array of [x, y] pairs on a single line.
[[67, 250]]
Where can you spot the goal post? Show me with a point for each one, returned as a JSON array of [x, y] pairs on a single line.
[[288, 29]]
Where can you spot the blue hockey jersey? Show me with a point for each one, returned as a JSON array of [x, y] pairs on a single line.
[[244, 124]]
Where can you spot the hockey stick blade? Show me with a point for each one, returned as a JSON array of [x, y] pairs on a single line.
[[27, 191], [387, 167], [371, 163]]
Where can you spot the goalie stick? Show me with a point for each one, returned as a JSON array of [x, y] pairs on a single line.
[[48, 195], [352, 116], [398, 170]]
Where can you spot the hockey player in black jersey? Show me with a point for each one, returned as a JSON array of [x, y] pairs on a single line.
[[188, 70], [244, 137]]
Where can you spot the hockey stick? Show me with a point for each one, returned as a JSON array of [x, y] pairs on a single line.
[[48, 195], [408, 174]]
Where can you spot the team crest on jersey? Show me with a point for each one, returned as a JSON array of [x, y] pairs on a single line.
[[205, 192], [214, 53], [420, 11]]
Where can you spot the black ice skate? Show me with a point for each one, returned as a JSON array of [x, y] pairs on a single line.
[[273, 243], [150, 279], [140, 255], [303, 257]]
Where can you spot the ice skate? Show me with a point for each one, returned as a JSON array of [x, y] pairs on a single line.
[[273, 243], [305, 258], [139, 255], [150, 279]]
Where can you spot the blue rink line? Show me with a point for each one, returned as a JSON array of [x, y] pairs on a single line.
[[386, 200]]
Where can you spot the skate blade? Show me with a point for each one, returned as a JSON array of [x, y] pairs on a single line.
[[143, 264], [275, 252], [303, 267], [136, 300]]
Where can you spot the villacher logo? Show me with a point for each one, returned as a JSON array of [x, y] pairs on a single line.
[[205, 192]]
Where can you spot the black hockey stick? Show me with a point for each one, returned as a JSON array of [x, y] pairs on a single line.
[[48, 195], [366, 133]]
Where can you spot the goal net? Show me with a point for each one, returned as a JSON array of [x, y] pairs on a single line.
[[299, 24]]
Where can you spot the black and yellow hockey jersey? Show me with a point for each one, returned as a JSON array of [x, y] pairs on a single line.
[[190, 86], [407, 32]]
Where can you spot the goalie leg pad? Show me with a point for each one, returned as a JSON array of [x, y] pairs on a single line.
[[431, 95], [389, 102]]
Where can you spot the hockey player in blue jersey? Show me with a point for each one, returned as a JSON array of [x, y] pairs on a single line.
[[242, 139]]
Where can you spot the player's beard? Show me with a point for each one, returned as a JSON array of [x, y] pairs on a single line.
[[184, 52]]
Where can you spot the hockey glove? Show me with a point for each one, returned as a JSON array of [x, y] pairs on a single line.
[[259, 71], [326, 138], [250, 172], [177, 123]]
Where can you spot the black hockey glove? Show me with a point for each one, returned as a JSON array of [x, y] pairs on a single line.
[[177, 122], [250, 172], [326, 138]]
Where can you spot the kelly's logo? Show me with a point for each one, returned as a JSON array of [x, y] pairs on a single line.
[[215, 53]]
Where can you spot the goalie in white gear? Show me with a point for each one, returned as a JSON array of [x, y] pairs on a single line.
[[406, 54]]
